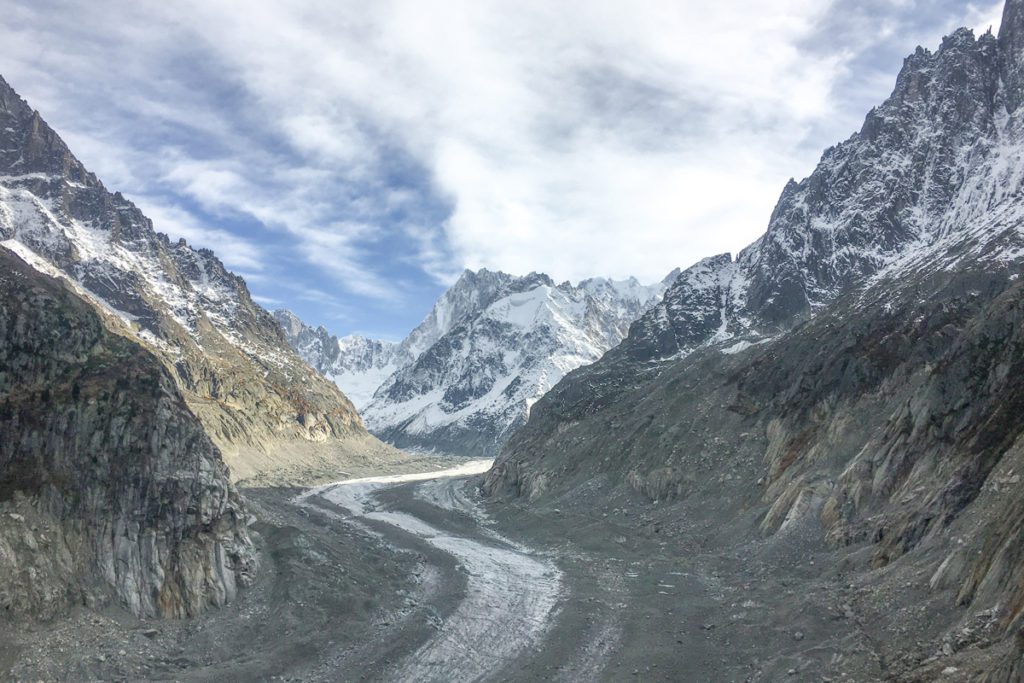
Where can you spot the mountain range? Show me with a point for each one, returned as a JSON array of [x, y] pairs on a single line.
[[849, 387], [464, 380]]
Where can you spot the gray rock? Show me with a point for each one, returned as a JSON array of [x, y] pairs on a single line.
[[100, 448], [858, 367]]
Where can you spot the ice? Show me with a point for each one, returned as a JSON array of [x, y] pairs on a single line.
[[511, 595]]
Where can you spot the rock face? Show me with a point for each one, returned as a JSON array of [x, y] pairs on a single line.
[[109, 486], [273, 418], [466, 377], [856, 368]]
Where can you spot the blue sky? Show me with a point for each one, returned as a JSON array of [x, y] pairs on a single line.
[[349, 159]]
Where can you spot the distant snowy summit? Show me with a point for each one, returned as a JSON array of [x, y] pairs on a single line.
[[493, 344]]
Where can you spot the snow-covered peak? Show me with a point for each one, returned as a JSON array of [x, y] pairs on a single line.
[[489, 348], [356, 364], [932, 176], [508, 341]]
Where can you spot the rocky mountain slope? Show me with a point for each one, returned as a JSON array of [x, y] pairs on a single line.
[[109, 487], [466, 377], [273, 418], [852, 373]]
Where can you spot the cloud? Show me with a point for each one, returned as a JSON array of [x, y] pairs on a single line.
[[268, 302], [385, 146]]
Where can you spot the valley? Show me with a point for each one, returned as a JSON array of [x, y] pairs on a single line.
[[801, 461], [415, 576]]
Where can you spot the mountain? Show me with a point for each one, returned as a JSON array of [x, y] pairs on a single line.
[[492, 346], [109, 486], [356, 364], [273, 418], [465, 378], [853, 375]]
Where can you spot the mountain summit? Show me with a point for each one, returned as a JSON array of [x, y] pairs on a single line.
[[273, 418]]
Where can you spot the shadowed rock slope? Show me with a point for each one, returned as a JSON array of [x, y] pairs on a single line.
[[274, 419], [856, 371], [109, 486]]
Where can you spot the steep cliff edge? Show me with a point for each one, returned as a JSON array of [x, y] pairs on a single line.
[[109, 486]]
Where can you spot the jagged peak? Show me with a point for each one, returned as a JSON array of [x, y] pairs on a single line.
[[12, 102], [482, 274], [963, 36], [286, 314]]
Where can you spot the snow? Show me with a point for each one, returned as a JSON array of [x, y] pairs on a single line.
[[75, 250], [737, 347], [503, 339], [360, 385]]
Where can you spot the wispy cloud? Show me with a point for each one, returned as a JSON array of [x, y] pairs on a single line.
[[268, 302]]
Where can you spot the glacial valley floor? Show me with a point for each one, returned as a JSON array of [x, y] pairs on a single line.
[[425, 581]]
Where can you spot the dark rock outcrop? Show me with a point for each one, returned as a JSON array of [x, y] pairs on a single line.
[[109, 486]]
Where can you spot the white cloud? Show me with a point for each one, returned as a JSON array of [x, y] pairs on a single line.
[[267, 302], [572, 137], [558, 131]]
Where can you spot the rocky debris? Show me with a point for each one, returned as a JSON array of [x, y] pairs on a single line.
[[109, 487], [311, 614]]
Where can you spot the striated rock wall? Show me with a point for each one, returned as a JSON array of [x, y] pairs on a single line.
[[109, 487]]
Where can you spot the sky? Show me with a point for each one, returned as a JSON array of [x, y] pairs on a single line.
[[350, 159]]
